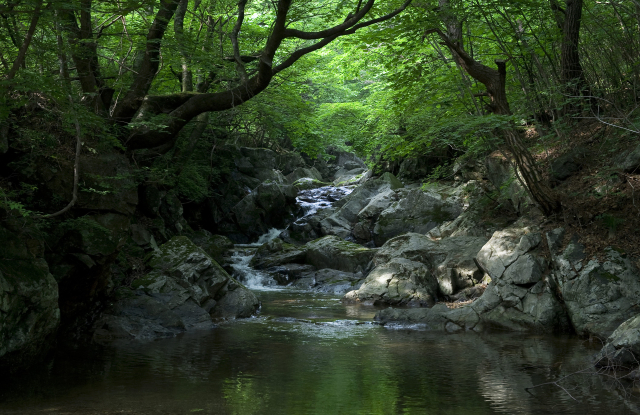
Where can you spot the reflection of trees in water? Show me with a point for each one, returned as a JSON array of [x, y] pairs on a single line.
[[289, 366]]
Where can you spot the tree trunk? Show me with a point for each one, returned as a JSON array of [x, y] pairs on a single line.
[[494, 80], [571, 72]]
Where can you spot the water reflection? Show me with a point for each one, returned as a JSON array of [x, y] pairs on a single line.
[[314, 356]]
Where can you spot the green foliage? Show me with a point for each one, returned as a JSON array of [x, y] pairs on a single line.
[[610, 221]]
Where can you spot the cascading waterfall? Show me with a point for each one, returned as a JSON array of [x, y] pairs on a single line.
[[310, 202], [241, 257]]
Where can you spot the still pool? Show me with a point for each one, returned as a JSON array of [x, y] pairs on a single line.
[[309, 354]]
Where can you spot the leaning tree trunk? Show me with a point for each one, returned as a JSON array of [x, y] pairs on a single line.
[[494, 81]]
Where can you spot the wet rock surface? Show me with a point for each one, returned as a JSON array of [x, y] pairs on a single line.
[[622, 349], [184, 290], [29, 312]]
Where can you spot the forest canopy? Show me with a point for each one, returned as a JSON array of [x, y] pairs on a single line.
[[171, 80]]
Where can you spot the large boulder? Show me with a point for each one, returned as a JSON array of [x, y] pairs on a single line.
[[184, 290], [82, 253], [341, 222], [83, 247], [257, 162], [29, 313], [289, 161], [335, 253], [599, 295], [399, 282], [451, 260], [623, 346], [412, 269], [568, 164], [303, 172], [419, 211], [276, 253], [417, 168], [216, 246], [476, 218], [268, 205], [629, 161], [107, 179], [520, 296], [345, 177]]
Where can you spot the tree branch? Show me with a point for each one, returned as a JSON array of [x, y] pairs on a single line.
[[242, 72], [130, 104], [22, 53], [350, 21]]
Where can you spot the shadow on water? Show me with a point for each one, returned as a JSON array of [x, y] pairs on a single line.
[[308, 354]]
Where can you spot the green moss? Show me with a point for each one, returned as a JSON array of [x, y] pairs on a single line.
[[19, 272], [603, 276]]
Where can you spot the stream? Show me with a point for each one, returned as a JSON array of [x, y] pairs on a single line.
[[307, 353]]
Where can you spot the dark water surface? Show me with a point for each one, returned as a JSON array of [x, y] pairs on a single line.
[[308, 354]]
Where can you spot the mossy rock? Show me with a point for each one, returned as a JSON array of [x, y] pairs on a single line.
[[335, 253], [216, 246]]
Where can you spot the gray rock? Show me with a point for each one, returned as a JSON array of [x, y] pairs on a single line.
[[519, 297], [216, 246], [622, 347], [629, 162], [377, 204], [277, 253], [398, 282], [287, 273], [341, 222], [598, 295], [568, 164], [344, 177], [289, 161], [184, 290], [475, 219], [29, 313], [335, 253], [451, 260], [329, 281], [524, 271], [140, 235], [418, 211], [259, 158], [303, 172], [417, 168], [268, 205], [506, 246], [555, 239]]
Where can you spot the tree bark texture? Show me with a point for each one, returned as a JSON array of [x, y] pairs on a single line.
[[494, 80], [571, 72]]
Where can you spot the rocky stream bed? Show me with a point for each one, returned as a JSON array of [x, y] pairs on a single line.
[[348, 265]]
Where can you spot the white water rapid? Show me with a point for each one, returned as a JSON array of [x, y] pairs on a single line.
[[310, 201], [252, 278]]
